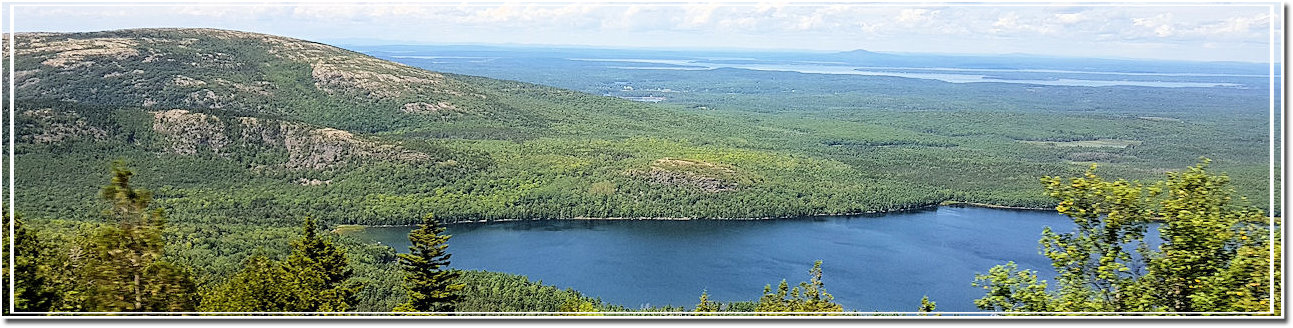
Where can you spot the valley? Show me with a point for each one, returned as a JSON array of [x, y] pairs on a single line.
[[240, 135]]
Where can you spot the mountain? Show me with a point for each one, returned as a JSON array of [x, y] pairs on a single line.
[[246, 127], [243, 73]]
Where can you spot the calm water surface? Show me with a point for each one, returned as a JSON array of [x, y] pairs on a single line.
[[871, 263], [952, 75]]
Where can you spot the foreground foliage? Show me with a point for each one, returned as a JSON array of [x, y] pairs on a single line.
[[1214, 256], [808, 298], [34, 287], [124, 270], [314, 278], [118, 267]]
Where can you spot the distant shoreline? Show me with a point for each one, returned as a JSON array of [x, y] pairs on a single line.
[[985, 205], [580, 218]]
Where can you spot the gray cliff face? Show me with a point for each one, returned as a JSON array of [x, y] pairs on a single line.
[[188, 132], [307, 147]]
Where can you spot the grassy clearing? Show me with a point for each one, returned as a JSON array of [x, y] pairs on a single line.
[[344, 229], [1159, 119]]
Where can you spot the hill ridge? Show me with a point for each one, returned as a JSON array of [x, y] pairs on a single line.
[[219, 69]]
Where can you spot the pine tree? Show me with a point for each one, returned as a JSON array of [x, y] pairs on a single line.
[[125, 270], [809, 296], [705, 304], [430, 283], [815, 298], [926, 305], [319, 274], [314, 278], [774, 302]]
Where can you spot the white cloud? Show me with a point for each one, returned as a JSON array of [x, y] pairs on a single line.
[[1253, 27], [1164, 30], [916, 16], [696, 16], [835, 26], [1070, 18], [1008, 21], [1013, 24], [808, 22], [1153, 22], [1236, 25]]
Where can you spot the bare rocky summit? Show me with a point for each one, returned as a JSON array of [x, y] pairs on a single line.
[[226, 70]]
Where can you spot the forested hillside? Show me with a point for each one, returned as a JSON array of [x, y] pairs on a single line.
[[353, 139]]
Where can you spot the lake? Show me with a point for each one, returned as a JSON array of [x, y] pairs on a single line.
[[953, 75], [870, 263]]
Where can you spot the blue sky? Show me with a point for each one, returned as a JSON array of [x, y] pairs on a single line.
[[1183, 31]]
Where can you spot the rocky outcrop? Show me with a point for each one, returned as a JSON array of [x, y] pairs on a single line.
[[188, 132], [307, 147], [370, 76], [185, 81], [708, 184], [73, 53], [44, 126], [708, 177], [421, 107], [313, 182], [206, 98], [259, 88], [222, 69]]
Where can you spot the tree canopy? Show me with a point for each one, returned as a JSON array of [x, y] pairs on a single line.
[[1214, 255]]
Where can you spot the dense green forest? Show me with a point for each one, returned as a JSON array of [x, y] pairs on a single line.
[[119, 266], [241, 136], [933, 132], [1214, 257]]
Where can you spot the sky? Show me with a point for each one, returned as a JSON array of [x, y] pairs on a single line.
[[1182, 31]]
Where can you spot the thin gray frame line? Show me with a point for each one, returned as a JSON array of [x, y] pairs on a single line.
[[659, 4], [13, 186]]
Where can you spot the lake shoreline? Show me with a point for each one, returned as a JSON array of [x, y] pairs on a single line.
[[1001, 207], [766, 218]]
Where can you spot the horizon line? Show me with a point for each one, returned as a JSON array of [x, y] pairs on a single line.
[[351, 42]]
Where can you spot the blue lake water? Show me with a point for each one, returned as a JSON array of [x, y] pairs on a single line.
[[870, 263], [953, 75]]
